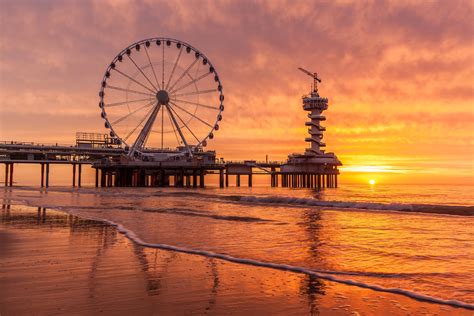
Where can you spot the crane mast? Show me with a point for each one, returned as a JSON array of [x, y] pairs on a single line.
[[312, 75]]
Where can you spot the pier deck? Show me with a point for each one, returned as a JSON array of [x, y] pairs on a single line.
[[111, 172]]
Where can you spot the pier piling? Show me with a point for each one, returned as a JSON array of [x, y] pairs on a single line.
[[73, 175], [42, 175], [221, 178], [47, 175], [79, 175], [11, 174], [201, 180], [7, 169]]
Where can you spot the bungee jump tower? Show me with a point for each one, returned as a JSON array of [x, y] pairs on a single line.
[[314, 168]]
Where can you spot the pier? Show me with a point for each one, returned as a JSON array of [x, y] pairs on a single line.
[[110, 172]]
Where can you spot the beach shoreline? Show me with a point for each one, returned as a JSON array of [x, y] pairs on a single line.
[[54, 262]]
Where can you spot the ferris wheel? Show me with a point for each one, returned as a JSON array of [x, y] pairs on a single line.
[[162, 94]]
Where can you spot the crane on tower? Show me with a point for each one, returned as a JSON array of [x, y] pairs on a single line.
[[312, 75]]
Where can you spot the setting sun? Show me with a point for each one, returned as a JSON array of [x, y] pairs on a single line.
[[372, 182]]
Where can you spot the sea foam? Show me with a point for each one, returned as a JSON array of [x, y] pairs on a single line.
[[284, 267]]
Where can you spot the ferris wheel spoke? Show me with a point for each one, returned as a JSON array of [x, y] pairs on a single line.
[[139, 69], [163, 67], [193, 115], [139, 83], [170, 111], [129, 90], [162, 125], [184, 123], [197, 104], [141, 122], [197, 70], [191, 82], [184, 74], [172, 125], [194, 93], [127, 102], [152, 68], [174, 68], [131, 113]]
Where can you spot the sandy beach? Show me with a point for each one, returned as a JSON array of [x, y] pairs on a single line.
[[55, 263]]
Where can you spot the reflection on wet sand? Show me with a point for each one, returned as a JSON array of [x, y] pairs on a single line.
[[312, 286], [52, 262]]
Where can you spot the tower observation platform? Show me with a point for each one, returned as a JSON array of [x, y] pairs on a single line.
[[315, 167]]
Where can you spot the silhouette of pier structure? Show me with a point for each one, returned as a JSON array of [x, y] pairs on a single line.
[[109, 172], [179, 113]]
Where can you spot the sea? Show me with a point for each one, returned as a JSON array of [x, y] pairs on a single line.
[[411, 240]]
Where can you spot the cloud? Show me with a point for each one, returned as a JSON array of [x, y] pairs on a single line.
[[395, 71]]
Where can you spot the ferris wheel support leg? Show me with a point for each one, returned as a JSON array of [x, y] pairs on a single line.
[[179, 130], [145, 132]]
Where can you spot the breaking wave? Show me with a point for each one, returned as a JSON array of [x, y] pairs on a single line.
[[422, 208]]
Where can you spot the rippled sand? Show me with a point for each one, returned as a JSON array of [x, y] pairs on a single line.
[[54, 263]]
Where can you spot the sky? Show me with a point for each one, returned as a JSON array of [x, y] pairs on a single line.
[[399, 76]]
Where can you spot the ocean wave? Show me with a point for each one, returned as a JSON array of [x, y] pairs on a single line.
[[263, 199], [172, 211], [422, 208], [200, 213]]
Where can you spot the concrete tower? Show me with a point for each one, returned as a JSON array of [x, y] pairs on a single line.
[[315, 168], [315, 105]]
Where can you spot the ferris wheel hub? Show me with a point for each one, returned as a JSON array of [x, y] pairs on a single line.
[[162, 97]]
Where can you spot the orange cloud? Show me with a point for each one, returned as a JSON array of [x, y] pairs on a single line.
[[399, 75]]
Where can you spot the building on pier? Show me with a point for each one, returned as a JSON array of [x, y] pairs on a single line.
[[314, 168]]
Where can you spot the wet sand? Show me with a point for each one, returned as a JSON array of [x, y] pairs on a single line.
[[54, 263]]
